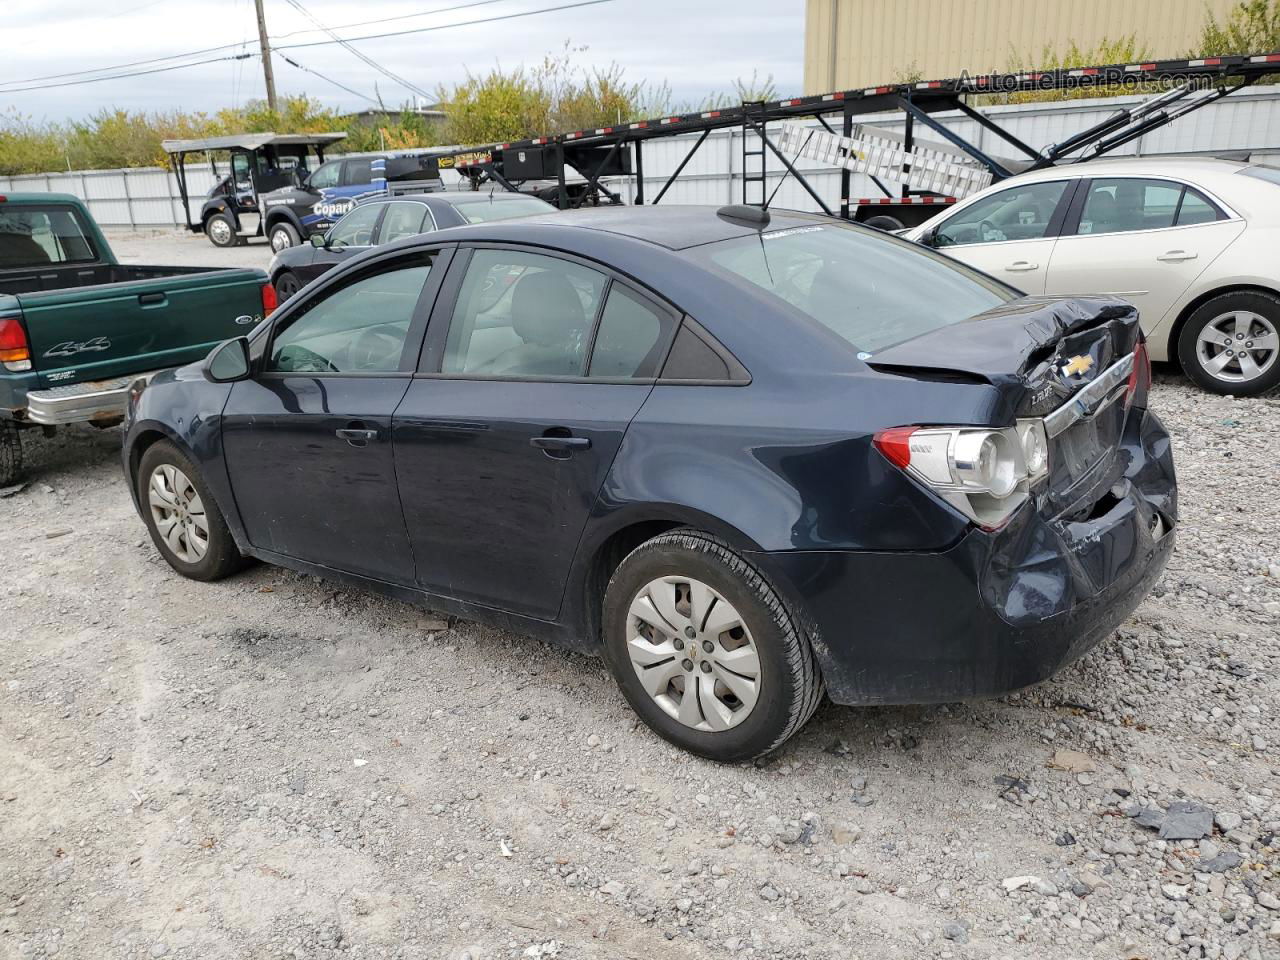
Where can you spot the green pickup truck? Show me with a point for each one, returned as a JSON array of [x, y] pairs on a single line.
[[77, 328]]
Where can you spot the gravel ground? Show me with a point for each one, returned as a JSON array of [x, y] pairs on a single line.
[[275, 767]]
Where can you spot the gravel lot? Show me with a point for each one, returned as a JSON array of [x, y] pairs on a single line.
[[276, 766]]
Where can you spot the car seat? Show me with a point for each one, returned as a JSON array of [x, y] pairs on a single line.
[[547, 314]]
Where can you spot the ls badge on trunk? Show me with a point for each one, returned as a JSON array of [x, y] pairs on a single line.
[[1077, 366]]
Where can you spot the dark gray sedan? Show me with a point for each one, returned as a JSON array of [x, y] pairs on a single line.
[[382, 220]]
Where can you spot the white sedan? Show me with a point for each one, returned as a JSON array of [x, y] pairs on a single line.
[[1193, 243]]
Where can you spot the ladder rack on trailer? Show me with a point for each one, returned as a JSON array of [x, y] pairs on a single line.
[[609, 151]]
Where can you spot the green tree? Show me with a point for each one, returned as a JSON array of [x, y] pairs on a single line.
[[1252, 26]]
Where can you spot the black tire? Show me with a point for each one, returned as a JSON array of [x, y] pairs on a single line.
[[885, 222], [790, 685], [10, 453], [221, 558], [282, 235], [1263, 305], [221, 231], [287, 284]]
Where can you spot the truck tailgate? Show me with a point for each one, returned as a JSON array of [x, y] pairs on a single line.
[[111, 330]]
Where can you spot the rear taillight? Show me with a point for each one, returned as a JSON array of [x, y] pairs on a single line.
[[15, 352], [985, 474], [1140, 377], [269, 299]]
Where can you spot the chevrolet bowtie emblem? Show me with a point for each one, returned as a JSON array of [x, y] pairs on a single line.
[[1077, 366]]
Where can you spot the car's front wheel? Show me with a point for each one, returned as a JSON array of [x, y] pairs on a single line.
[[1231, 343], [221, 230], [283, 235], [182, 517], [705, 650]]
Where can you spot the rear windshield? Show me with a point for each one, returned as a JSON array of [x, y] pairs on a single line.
[[484, 209], [872, 289], [1270, 174], [33, 236]]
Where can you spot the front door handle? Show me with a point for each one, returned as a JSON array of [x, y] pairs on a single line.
[[1021, 266], [1176, 256], [356, 436], [561, 443]]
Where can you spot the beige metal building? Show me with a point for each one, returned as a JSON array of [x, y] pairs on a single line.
[[856, 43]]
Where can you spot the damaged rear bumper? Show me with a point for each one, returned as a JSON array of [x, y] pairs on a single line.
[[997, 611]]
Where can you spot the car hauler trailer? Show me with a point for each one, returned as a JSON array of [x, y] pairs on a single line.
[[913, 196]]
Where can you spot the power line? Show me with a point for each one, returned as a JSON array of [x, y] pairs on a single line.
[[447, 26], [403, 16], [232, 46], [135, 73], [122, 66], [291, 46], [297, 5], [295, 63]]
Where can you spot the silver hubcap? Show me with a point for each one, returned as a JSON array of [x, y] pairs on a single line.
[[219, 231], [178, 513], [693, 653], [1238, 346], [280, 241]]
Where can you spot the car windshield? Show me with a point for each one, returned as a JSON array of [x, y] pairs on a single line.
[[871, 289], [484, 209]]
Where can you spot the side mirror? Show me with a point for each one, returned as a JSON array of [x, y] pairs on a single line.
[[319, 240], [227, 362], [927, 238]]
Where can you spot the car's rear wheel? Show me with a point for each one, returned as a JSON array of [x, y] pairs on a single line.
[[287, 284], [221, 230], [182, 516], [283, 235], [705, 650], [1231, 343]]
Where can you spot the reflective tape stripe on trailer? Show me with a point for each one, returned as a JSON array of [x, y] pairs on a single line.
[[885, 201]]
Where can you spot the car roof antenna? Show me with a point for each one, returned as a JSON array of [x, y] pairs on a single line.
[[751, 214]]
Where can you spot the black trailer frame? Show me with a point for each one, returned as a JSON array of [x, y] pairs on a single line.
[[1191, 83]]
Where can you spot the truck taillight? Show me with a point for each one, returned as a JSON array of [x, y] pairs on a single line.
[[269, 299], [15, 352]]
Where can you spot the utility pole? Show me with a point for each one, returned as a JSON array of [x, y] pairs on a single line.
[[265, 46]]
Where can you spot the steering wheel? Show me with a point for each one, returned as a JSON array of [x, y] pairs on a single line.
[[375, 346], [296, 359], [988, 232]]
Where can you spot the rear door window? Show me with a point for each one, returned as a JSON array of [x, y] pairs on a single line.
[[403, 219], [32, 236], [632, 336], [523, 315], [1127, 204]]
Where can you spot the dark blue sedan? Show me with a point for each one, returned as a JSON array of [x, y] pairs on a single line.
[[748, 458]]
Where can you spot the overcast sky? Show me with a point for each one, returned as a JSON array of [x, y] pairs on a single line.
[[696, 46]]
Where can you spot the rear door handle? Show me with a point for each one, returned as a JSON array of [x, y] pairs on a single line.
[[1175, 256], [356, 436], [1021, 266], [152, 299]]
